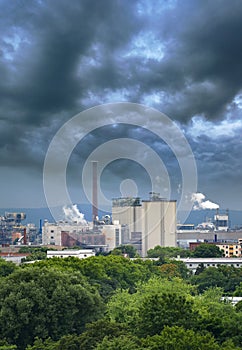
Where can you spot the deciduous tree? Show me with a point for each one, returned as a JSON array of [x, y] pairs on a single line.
[[45, 303], [205, 250], [160, 310], [126, 250], [6, 267], [173, 338]]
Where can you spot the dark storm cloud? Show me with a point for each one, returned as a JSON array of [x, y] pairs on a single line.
[[201, 41], [53, 37], [65, 52], [183, 57], [199, 73], [210, 55], [42, 45], [217, 149], [194, 72]]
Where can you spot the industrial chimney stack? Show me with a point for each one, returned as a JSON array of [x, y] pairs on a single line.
[[94, 192]]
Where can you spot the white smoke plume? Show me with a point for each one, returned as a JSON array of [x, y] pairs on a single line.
[[73, 215], [199, 202]]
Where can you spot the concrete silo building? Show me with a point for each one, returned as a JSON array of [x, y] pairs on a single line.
[[159, 223], [151, 222]]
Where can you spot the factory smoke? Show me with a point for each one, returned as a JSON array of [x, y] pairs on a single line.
[[199, 202], [72, 214]]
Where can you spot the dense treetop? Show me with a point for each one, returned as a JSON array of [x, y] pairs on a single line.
[[112, 302]]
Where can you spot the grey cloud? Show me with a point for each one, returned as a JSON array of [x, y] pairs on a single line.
[[58, 58], [197, 49]]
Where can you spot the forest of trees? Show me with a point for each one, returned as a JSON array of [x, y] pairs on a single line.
[[113, 302]]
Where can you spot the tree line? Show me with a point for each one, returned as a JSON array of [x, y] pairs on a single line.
[[113, 302]]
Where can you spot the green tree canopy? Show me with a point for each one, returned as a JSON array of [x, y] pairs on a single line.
[[123, 342], [67, 342], [93, 335], [95, 332], [174, 338], [45, 303], [126, 249], [6, 267], [124, 307], [4, 345], [218, 317], [226, 277], [160, 310], [167, 252], [205, 250], [108, 273], [174, 268], [209, 277], [238, 290]]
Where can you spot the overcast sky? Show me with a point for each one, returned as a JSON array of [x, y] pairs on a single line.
[[59, 58]]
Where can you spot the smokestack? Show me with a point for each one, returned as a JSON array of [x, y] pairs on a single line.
[[40, 227], [25, 236], [94, 191]]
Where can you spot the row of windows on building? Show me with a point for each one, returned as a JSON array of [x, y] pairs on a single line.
[[215, 265]]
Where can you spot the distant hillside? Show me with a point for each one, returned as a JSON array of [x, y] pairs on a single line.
[[199, 216]]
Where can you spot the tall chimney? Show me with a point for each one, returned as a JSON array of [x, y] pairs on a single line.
[[25, 237], [94, 191]]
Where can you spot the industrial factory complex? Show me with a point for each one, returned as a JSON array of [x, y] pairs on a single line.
[[12, 231], [143, 224]]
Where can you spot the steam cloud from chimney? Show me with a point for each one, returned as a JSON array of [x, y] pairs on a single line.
[[199, 202], [73, 215]]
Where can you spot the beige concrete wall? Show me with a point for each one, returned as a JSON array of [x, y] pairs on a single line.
[[131, 216], [170, 236], [159, 225], [109, 231], [155, 219], [51, 234]]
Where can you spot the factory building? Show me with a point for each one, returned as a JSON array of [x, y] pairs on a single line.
[[102, 236], [51, 234], [80, 254], [159, 224], [221, 221], [152, 222], [128, 211], [112, 234], [12, 230]]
